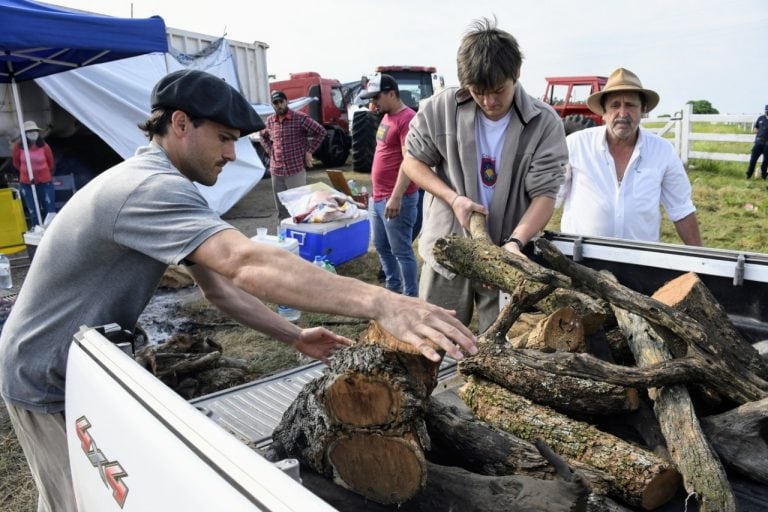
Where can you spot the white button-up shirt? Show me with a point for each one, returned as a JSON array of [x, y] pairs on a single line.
[[596, 204]]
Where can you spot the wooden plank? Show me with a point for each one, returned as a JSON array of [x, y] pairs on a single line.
[[723, 137], [724, 118], [730, 157]]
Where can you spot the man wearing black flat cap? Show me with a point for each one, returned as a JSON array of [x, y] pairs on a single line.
[[105, 252], [290, 138]]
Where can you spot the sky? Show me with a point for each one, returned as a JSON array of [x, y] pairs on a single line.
[[685, 50]]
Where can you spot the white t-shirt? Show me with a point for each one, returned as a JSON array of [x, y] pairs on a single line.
[[490, 143], [595, 204]]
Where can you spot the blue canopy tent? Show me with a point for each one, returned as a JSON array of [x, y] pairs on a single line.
[[37, 40]]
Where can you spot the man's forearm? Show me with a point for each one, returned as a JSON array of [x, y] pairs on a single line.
[[401, 184], [534, 219], [242, 307], [688, 230]]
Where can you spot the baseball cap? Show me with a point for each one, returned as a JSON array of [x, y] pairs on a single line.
[[380, 83], [278, 95], [206, 96]]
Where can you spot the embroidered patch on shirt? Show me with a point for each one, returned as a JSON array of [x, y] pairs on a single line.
[[488, 171], [381, 132]]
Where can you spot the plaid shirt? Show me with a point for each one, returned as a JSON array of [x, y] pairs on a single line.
[[289, 139]]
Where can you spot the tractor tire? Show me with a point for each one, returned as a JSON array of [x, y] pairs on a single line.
[[335, 148], [577, 122], [364, 126]]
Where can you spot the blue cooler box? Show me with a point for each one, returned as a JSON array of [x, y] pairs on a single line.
[[338, 241]]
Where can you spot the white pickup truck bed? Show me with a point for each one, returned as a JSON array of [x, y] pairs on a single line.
[[135, 445]]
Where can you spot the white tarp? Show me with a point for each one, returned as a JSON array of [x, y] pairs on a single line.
[[112, 98]]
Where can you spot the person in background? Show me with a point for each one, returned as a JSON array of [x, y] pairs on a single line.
[[486, 147], [143, 215], [290, 138], [760, 128], [619, 173], [41, 159], [395, 198], [359, 100]]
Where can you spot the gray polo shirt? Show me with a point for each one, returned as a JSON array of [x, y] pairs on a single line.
[[99, 262]]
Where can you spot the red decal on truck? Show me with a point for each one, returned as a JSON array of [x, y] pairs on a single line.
[[111, 472]]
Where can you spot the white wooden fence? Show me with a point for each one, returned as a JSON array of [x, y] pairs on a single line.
[[681, 125]]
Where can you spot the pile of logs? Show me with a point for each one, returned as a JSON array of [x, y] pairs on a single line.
[[585, 395], [193, 366]]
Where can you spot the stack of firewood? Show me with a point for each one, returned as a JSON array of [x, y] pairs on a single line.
[[193, 366], [584, 394]]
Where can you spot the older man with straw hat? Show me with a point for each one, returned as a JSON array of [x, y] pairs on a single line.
[[619, 173]]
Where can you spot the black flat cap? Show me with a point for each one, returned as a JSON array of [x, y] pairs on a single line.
[[206, 96]]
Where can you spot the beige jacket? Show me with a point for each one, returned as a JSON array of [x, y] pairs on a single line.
[[442, 135]]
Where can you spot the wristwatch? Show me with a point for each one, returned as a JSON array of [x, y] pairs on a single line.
[[520, 244]]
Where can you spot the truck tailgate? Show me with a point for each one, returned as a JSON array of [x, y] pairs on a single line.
[[135, 444]]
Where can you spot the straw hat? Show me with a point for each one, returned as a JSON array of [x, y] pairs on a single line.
[[30, 126], [622, 80]]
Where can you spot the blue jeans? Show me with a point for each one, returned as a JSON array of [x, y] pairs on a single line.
[[419, 215], [392, 240], [46, 199]]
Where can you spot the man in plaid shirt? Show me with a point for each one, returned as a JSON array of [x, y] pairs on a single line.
[[290, 138]]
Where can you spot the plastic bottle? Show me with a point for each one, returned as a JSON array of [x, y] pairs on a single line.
[[5, 272], [324, 264], [289, 313], [352, 187]]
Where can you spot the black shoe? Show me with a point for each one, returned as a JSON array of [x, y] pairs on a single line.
[[381, 276]]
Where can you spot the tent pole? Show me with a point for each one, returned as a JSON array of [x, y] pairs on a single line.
[[23, 139]]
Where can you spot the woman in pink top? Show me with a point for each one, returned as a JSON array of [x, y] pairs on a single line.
[[41, 159]]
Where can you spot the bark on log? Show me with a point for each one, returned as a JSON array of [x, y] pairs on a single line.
[[740, 437], [690, 296], [617, 344], [521, 299], [561, 330], [594, 313], [362, 423], [746, 386], [524, 324], [499, 364], [702, 472], [677, 371], [488, 263], [458, 439], [451, 488], [641, 479]]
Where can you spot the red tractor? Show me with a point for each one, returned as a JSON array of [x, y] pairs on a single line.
[[329, 108], [568, 96]]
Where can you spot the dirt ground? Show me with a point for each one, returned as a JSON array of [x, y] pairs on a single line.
[[173, 311]]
